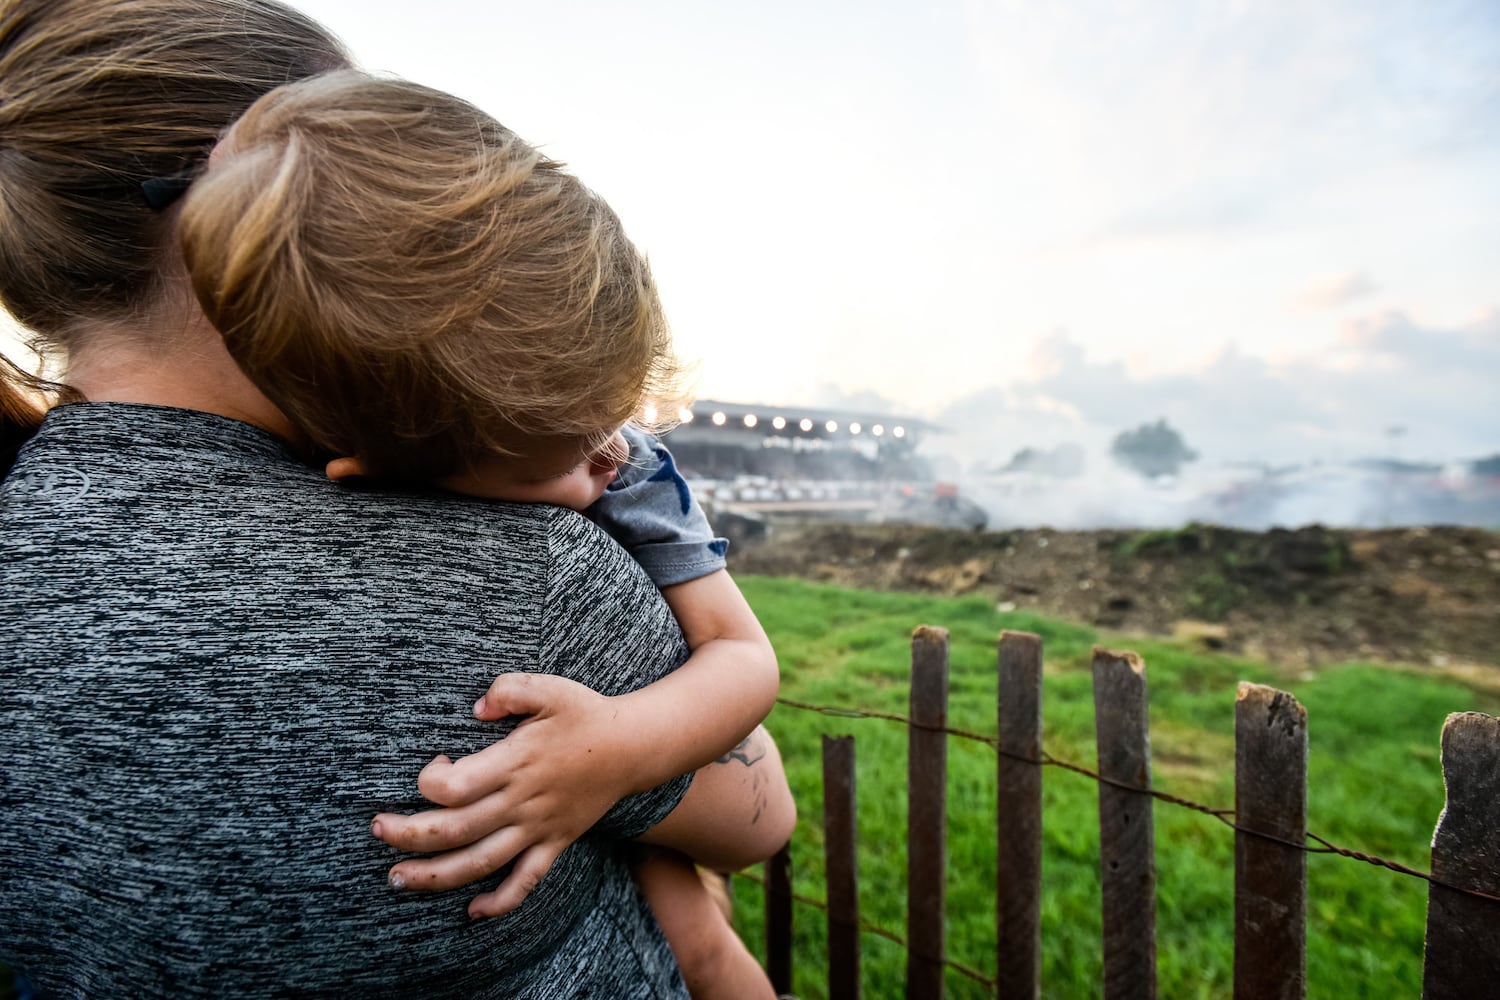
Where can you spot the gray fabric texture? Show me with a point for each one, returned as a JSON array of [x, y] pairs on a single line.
[[216, 667]]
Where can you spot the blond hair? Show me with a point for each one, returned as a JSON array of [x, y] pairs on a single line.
[[413, 284], [97, 99]]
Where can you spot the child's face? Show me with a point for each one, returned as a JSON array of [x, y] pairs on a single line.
[[577, 487]]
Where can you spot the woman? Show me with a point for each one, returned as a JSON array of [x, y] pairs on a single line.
[[218, 665]]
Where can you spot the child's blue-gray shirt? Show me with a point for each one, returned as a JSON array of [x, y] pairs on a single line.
[[651, 512]]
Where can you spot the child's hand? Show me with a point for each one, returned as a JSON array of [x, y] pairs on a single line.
[[525, 798]]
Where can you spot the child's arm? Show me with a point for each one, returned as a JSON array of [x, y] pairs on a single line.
[[530, 795], [725, 689], [737, 811], [714, 961]]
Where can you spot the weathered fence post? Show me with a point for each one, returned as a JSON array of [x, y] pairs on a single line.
[[839, 855], [1126, 849], [1270, 878], [779, 920], [927, 813], [1018, 819], [1463, 932]]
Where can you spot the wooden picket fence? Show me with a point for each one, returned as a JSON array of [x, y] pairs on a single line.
[[1270, 879]]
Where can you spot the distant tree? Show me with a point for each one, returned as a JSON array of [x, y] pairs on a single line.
[[1152, 450]]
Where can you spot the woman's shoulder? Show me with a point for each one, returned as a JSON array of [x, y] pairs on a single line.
[[581, 551], [149, 479], [596, 594]]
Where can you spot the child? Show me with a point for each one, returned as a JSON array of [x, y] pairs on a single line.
[[424, 293]]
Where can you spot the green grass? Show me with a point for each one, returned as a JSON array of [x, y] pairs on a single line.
[[1375, 784]]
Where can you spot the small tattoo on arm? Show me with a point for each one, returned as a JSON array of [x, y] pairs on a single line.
[[749, 751]]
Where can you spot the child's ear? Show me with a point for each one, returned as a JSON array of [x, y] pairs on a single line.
[[345, 468]]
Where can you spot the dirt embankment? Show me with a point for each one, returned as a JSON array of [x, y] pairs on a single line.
[[1427, 596]]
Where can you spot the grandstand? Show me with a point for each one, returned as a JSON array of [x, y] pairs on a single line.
[[765, 462]]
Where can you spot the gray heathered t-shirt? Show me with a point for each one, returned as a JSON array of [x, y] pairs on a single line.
[[216, 667]]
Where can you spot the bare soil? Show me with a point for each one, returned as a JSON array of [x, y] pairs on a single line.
[[1425, 596]]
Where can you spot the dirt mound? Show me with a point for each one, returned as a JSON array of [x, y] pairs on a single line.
[[1415, 595]]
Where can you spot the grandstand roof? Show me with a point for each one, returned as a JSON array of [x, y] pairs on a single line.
[[706, 416]]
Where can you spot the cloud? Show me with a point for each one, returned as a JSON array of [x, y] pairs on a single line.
[[1172, 121], [1246, 416], [1393, 338], [1336, 404], [1336, 290]]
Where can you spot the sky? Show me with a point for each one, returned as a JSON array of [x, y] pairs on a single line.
[[1273, 224]]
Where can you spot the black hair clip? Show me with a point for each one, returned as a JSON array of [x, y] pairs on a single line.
[[161, 193]]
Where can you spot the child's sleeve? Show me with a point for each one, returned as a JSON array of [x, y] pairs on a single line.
[[650, 511]]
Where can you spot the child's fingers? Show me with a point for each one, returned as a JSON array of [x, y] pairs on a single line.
[[445, 829], [345, 468], [513, 694], [530, 868], [460, 867], [468, 779], [527, 694]]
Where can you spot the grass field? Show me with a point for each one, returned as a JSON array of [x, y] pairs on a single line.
[[1375, 784]]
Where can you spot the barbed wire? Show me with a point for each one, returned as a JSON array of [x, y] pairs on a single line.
[[868, 926], [1222, 815]]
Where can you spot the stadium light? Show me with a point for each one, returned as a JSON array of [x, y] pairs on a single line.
[[684, 416], [832, 426], [805, 424], [855, 428], [779, 423], [877, 430], [719, 418], [751, 420], [899, 431]]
